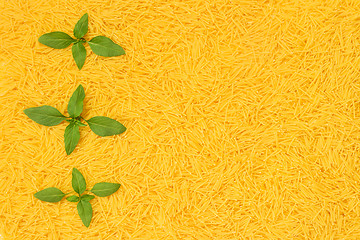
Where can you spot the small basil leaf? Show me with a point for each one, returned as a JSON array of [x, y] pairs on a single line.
[[57, 40], [50, 194], [73, 198], [76, 102], [45, 115], [80, 124], [81, 26], [78, 181], [105, 189], [79, 54], [87, 197], [71, 137], [104, 126], [85, 212], [105, 47]]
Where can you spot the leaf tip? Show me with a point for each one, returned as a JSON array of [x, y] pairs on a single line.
[[124, 129], [40, 38]]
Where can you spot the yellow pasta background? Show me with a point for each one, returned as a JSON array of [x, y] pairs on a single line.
[[242, 119]]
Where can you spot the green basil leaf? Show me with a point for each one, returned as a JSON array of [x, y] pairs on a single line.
[[51, 194], [85, 212], [57, 40], [79, 54], [73, 198], [104, 126], [105, 47], [87, 197], [81, 26], [105, 189], [78, 181], [80, 124], [76, 102], [45, 115], [71, 137]]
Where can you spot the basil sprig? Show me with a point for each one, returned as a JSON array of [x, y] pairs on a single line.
[[50, 116], [100, 45], [102, 189]]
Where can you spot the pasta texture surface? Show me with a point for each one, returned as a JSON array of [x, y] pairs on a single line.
[[242, 119]]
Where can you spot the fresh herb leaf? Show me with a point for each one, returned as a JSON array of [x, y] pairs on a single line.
[[78, 181], [100, 45], [87, 197], [76, 102], [81, 26], [80, 124], [105, 47], [84, 207], [50, 116], [73, 198], [79, 54], [85, 212], [71, 137], [45, 115], [105, 189], [57, 40], [104, 126], [51, 194]]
